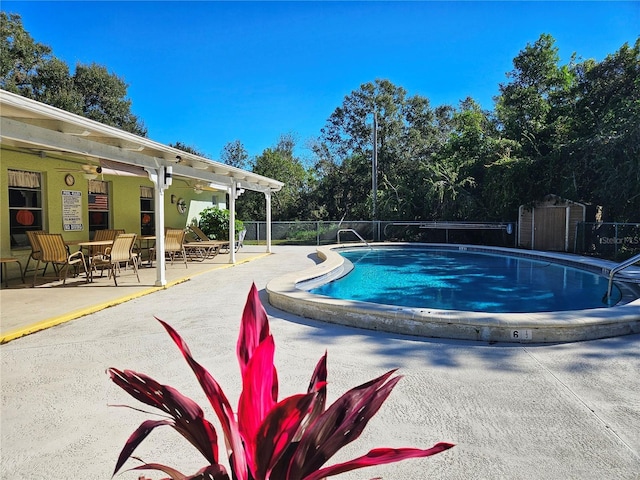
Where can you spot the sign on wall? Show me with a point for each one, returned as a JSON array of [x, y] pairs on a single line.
[[72, 211]]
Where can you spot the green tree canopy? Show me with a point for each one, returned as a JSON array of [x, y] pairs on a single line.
[[280, 163], [234, 154]]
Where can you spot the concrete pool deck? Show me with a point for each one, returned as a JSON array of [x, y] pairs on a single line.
[[515, 411]]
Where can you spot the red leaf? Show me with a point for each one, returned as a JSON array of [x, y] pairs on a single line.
[[188, 418], [139, 386], [378, 456], [318, 383], [172, 472], [220, 404], [210, 472], [339, 425], [278, 431], [136, 438], [256, 399], [254, 328]]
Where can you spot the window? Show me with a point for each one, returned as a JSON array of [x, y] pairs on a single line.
[[25, 205], [98, 206], [147, 215]]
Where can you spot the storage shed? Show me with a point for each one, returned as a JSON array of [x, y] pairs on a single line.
[[550, 224]]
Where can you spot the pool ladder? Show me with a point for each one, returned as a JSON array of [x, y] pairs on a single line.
[[616, 269], [343, 230]]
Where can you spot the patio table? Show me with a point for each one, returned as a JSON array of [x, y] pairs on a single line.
[[5, 261], [90, 246], [147, 239]]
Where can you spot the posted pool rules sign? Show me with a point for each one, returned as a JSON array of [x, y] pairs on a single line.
[[71, 210]]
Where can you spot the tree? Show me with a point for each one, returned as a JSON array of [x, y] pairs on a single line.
[[186, 148], [104, 98], [289, 203], [234, 154], [525, 103], [409, 131], [605, 135], [21, 56], [54, 86]]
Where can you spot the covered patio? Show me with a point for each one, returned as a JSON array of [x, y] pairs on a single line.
[[49, 133]]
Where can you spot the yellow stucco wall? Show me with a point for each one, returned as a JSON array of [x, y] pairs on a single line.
[[124, 196]]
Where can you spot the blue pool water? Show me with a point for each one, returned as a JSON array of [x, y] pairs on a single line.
[[468, 281]]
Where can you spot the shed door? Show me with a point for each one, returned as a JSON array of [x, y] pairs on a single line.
[[550, 228]]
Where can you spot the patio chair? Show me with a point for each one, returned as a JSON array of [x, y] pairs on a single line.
[[36, 251], [174, 244], [201, 251], [55, 251], [105, 234], [240, 242], [120, 252], [199, 234]]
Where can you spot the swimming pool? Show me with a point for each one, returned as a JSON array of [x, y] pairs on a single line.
[[466, 280], [291, 293]]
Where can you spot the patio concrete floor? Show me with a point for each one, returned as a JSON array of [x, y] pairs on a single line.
[[525, 411]]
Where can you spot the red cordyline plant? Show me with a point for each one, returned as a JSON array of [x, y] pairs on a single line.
[[290, 439]]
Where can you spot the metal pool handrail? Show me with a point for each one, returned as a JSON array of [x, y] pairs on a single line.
[[342, 230], [621, 266]]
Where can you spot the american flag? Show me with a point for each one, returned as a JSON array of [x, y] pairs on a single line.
[[98, 202]]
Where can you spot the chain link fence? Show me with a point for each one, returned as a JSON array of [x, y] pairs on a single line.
[[613, 241], [325, 233]]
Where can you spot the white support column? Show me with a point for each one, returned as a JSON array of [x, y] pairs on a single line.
[[232, 222], [160, 177], [267, 199]]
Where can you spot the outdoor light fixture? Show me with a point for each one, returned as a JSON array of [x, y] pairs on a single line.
[[239, 190], [178, 158], [168, 176]]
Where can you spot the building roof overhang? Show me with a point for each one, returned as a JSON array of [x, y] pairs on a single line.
[[51, 132]]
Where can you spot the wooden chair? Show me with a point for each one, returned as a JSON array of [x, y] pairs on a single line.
[[55, 251], [120, 252]]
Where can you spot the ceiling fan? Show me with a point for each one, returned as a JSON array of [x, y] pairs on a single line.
[[90, 172], [198, 187]]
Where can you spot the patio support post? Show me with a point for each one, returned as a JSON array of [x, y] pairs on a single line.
[[232, 222], [159, 178], [267, 199]]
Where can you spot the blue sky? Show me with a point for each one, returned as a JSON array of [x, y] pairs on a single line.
[[208, 73]]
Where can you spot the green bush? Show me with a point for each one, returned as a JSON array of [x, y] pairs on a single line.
[[214, 222]]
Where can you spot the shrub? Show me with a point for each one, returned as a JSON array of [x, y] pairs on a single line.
[[290, 439], [214, 222]]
